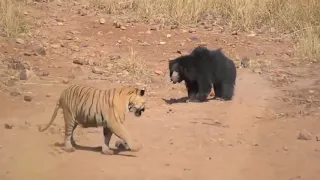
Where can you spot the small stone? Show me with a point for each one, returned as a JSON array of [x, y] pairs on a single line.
[[272, 30], [114, 57], [260, 53], [79, 61], [192, 30], [14, 94], [40, 51], [65, 81], [102, 21], [234, 33], [55, 46], [304, 135], [285, 148], [60, 23], [74, 48], [162, 42], [245, 62], [125, 72], [25, 74], [154, 28], [96, 70], [20, 41], [169, 35], [45, 73], [27, 98], [8, 126], [158, 72], [27, 54], [257, 70], [311, 91], [123, 28]]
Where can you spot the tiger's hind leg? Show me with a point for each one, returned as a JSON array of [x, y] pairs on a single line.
[[120, 131], [70, 126], [107, 136]]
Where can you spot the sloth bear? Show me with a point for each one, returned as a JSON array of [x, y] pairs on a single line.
[[201, 69]]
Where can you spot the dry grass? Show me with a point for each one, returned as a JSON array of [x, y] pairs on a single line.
[[133, 64], [11, 22], [299, 17]]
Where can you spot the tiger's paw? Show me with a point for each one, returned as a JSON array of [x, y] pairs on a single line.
[[106, 151], [136, 147], [69, 149]]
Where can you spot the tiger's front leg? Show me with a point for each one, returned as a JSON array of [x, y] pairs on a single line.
[[120, 131], [107, 136]]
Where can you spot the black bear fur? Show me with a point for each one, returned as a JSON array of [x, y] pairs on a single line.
[[201, 69]]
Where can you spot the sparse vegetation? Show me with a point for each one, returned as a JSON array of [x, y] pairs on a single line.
[[299, 18], [11, 22], [133, 64]]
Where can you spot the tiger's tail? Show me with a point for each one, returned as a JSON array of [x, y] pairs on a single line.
[[54, 115]]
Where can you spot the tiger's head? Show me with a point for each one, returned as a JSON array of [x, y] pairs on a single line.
[[136, 101]]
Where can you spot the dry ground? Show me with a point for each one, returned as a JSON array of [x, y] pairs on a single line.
[[252, 137]]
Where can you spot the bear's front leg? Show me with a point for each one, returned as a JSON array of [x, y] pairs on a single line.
[[204, 86], [192, 88]]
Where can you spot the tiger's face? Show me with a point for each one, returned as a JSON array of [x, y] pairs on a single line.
[[137, 103]]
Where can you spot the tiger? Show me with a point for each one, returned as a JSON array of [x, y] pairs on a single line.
[[92, 107]]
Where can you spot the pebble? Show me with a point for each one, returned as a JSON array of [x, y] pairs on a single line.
[[96, 70], [8, 126], [20, 41], [304, 135], [25, 74], [27, 98], [102, 21]]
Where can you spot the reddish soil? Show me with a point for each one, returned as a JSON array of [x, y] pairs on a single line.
[[254, 136]]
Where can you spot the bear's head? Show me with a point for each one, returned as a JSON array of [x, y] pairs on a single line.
[[175, 71]]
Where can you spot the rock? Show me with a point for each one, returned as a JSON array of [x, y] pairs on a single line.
[[154, 28], [96, 70], [234, 33], [8, 126], [123, 28], [257, 70], [245, 62], [27, 98], [14, 94], [20, 41], [158, 72], [80, 62], [169, 35], [174, 27], [304, 135], [192, 30], [25, 74], [44, 73], [318, 137], [55, 46], [65, 81], [102, 21], [260, 53], [114, 57], [162, 42], [117, 24], [285, 148], [27, 54], [74, 48], [40, 50]]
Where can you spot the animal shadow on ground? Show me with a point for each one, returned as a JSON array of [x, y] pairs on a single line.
[[184, 100], [94, 149]]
